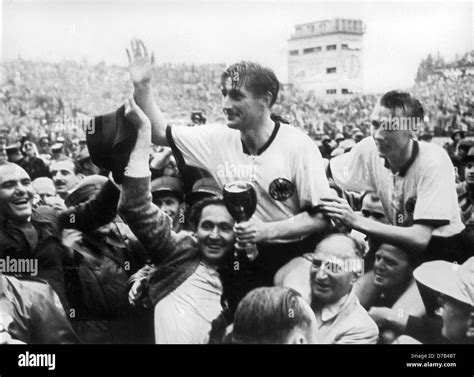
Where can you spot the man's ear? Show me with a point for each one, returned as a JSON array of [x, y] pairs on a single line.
[[267, 99]]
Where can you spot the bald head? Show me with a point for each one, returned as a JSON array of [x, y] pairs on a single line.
[[8, 168], [336, 263], [339, 246], [16, 193], [44, 187]]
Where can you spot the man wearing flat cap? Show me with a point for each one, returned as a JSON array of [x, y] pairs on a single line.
[[203, 188], [168, 195], [13, 153]]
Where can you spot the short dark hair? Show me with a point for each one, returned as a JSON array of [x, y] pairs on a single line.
[[414, 259], [198, 207], [402, 100], [77, 166], [268, 315], [257, 79]]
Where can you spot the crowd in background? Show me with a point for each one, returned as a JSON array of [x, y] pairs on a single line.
[[106, 268], [42, 98]]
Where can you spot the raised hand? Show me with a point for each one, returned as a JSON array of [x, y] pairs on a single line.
[[160, 158], [140, 63], [135, 115]]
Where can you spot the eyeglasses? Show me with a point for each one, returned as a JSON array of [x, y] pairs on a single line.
[[375, 215]]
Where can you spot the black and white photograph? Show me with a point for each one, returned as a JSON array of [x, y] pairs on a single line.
[[198, 187]]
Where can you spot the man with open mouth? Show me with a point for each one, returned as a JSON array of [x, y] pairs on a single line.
[[186, 284], [36, 233], [335, 266]]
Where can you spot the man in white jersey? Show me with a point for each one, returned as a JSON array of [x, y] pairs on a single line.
[[415, 182], [284, 164]]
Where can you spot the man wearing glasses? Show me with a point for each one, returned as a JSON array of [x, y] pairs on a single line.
[[335, 266]]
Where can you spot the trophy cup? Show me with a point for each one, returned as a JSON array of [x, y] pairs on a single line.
[[240, 200]]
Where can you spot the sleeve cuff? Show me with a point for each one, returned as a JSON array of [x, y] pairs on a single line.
[[174, 148], [138, 165], [435, 223]]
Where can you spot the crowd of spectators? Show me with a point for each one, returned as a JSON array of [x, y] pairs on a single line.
[[127, 252], [45, 98]]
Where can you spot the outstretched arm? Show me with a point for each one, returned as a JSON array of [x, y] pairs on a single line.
[[415, 237], [298, 226], [141, 69], [151, 226]]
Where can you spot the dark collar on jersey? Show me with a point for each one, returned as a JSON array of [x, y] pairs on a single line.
[[414, 153], [267, 144]]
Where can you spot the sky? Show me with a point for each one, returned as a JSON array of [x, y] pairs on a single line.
[[398, 34]]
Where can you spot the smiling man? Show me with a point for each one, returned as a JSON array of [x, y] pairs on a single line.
[[283, 163], [36, 233], [394, 284], [341, 319], [393, 271], [184, 286], [168, 195], [414, 181], [16, 193]]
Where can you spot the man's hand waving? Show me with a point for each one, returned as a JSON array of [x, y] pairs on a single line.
[[141, 71], [140, 63]]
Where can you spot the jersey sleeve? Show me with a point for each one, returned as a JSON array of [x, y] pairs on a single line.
[[311, 180], [436, 193], [196, 146], [352, 171]]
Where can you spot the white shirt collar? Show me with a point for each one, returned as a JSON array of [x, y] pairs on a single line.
[[328, 312]]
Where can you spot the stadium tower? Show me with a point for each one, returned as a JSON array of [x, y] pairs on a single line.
[[326, 57]]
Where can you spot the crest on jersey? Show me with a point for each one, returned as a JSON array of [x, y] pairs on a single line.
[[410, 205], [281, 189]]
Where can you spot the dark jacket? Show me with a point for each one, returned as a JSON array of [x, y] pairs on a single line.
[[47, 223], [30, 311], [35, 167], [175, 257]]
